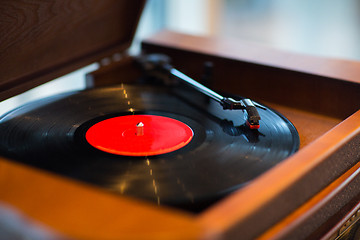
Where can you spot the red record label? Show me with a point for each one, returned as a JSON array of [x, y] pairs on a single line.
[[139, 135]]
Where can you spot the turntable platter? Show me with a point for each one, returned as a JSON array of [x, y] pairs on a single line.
[[215, 155]]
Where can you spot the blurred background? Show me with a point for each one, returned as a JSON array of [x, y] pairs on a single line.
[[329, 28]]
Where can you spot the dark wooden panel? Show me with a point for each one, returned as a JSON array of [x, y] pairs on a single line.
[[41, 40]]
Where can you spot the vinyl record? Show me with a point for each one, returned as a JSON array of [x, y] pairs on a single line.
[[200, 152]]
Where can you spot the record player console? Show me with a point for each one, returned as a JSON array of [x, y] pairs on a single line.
[[283, 166]]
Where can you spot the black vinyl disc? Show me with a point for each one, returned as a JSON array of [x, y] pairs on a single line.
[[223, 155]]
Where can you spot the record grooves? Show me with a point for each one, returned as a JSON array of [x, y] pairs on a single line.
[[221, 156]]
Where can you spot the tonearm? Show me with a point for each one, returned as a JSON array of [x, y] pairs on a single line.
[[160, 62]]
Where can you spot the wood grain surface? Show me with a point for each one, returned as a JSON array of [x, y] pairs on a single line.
[[42, 40]]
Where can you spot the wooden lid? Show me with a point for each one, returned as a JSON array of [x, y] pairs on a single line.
[[42, 40]]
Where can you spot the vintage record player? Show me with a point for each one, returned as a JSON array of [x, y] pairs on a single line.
[[284, 165]]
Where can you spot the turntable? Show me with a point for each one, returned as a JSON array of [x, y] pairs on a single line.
[[281, 164]]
